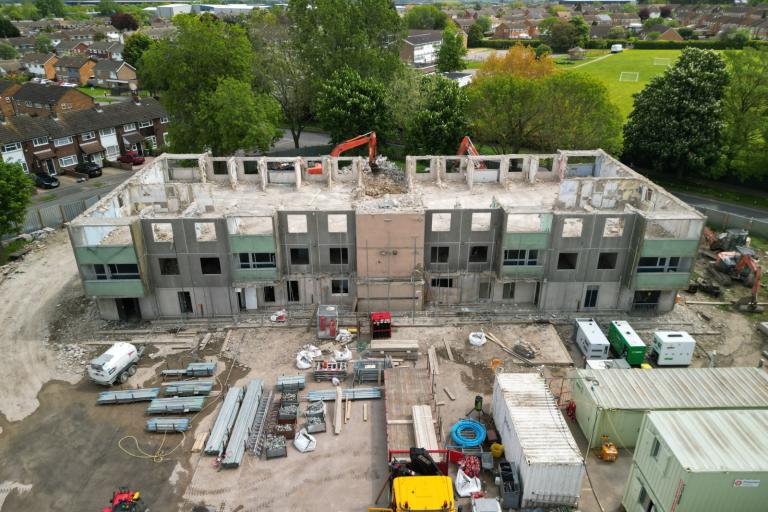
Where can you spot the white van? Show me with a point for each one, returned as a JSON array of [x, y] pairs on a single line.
[[115, 365], [616, 48]]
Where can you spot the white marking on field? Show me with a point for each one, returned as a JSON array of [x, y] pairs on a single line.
[[629, 76], [662, 61], [8, 487]]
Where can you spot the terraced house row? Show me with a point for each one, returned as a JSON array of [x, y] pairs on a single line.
[[57, 142], [195, 235]]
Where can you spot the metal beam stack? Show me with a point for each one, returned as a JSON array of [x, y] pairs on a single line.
[[127, 396], [164, 425], [291, 383], [347, 394], [190, 388], [222, 429], [245, 420], [175, 405]]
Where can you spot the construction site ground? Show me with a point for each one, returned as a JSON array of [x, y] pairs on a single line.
[[61, 452]]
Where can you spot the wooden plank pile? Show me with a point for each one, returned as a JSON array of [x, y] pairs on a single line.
[[401, 349]]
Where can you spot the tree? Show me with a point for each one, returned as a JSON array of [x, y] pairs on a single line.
[[745, 114], [676, 122], [542, 51], [685, 32], [123, 21], [99, 36], [452, 49], [48, 8], [484, 22], [652, 36], [440, 122], [238, 119], [617, 33], [189, 68], [403, 98], [506, 111], [15, 192], [578, 114], [564, 35], [8, 29], [735, 37], [519, 61], [362, 34], [474, 36], [135, 46], [43, 44], [644, 13], [665, 11], [425, 17], [348, 105], [108, 7], [7, 51]]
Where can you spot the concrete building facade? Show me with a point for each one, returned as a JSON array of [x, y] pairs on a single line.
[[572, 231]]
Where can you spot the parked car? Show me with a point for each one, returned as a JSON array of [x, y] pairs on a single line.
[[617, 48], [92, 169], [131, 157], [43, 180]]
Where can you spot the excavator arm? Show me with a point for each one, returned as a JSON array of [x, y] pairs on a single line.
[[467, 148], [361, 140]]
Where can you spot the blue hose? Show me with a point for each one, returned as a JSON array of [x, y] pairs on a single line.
[[464, 439]]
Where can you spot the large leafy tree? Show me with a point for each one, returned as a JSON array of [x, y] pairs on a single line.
[[15, 192], [677, 119], [108, 7], [506, 111], [745, 113], [124, 21], [8, 29], [7, 51], [238, 119], [364, 35], [578, 114], [43, 43], [50, 8], [519, 60], [452, 50], [475, 35], [348, 105], [563, 35], [427, 17], [440, 121], [135, 46], [187, 69]]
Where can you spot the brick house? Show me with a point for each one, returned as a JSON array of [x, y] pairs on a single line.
[[69, 47], [7, 90], [420, 49], [76, 69], [41, 65], [56, 144], [106, 50], [516, 30], [43, 100], [114, 74]]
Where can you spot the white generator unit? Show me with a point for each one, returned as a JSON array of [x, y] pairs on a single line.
[[672, 348], [590, 339], [115, 365]]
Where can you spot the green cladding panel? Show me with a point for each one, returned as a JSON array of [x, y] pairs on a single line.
[[523, 270], [122, 288], [526, 240], [260, 274], [251, 243], [661, 280], [90, 255], [666, 248]]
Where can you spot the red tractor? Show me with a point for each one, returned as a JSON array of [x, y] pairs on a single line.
[[126, 500]]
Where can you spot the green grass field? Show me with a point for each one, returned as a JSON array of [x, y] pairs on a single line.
[[609, 69]]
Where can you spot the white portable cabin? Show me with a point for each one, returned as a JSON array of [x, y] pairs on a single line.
[[672, 348], [537, 440], [590, 339]]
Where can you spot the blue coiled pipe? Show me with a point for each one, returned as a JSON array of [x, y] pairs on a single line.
[[468, 442]]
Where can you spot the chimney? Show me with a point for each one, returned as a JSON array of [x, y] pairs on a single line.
[[135, 97]]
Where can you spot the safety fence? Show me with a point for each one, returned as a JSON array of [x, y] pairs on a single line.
[[725, 220], [55, 215]]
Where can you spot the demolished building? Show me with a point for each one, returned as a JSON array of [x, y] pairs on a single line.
[[201, 236]]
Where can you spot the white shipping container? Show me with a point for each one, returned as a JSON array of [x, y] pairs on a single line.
[[590, 339], [537, 439]]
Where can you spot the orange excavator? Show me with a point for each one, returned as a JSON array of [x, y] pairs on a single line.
[[467, 148], [367, 138], [749, 268]]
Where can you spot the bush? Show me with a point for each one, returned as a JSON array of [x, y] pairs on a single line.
[[505, 44], [709, 44]]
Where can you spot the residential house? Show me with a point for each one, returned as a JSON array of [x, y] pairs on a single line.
[[76, 69], [45, 100], [665, 33], [158, 32], [599, 31], [41, 65], [56, 144], [421, 48], [10, 67], [7, 90], [516, 30], [70, 47], [22, 44], [106, 50], [464, 23], [112, 74]]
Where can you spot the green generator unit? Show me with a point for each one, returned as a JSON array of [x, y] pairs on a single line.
[[626, 342]]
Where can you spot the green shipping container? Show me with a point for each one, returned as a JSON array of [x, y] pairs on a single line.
[[626, 342]]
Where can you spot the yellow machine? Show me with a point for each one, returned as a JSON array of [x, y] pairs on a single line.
[[417, 493], [608, 452]]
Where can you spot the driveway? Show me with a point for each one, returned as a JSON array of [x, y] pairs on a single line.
[[723, 206], [70, 190]]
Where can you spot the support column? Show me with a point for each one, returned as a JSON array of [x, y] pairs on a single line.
[[232, 172], [441, 168], [531, 168], [297, 172], [263, 173], [503, 170], [470, 173], [410, 172], [561, 166], [328, 172]]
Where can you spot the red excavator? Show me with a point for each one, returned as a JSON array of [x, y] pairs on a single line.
[[749, 268], [126, 500], [467, 148], [367, 138]]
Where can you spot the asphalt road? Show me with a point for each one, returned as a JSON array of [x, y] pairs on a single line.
[[715, 204]]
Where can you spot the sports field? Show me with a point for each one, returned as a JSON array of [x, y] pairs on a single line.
[[626, 73]]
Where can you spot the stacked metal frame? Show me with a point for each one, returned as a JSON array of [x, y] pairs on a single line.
[[176, 405], [347, 394], [242, 429], [190, 388], [222, 429], [164, 425], [291, 383], [127, 396]]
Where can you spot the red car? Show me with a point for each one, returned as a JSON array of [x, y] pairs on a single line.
[[131, 157]]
